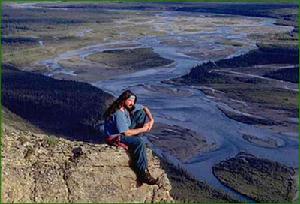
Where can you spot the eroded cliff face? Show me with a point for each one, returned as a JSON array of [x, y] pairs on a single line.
[[38, 167]]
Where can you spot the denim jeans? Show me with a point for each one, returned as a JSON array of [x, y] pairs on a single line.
[[136, 144]]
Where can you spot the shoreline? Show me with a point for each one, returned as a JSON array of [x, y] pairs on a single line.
[[239, 95]]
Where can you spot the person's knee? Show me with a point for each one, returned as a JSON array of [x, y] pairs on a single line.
[[140, 145], [139, 118], [139, 142]]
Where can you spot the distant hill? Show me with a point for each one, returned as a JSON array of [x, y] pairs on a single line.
[[61, 106], [265, 54]]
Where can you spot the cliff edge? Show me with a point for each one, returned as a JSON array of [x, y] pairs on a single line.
[[38, 167]]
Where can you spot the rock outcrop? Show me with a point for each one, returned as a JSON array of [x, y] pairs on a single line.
[[38, 167]]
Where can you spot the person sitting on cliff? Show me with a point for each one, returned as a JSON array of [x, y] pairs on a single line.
[[124, 122]]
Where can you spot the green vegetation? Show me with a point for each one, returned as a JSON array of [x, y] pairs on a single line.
[[286, 74], [230, 77], [33, 35], [56, 106], [260, 179], [266, 54], [187, 189], [52, 141], [184, 143], [269, 97], [129, 58], [58, 29]]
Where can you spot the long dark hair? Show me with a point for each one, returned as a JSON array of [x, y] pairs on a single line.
[[117, 103]]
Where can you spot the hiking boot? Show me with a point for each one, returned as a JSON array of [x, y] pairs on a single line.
[[146, 177]]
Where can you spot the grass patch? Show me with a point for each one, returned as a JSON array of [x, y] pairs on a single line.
[[129, 58], [271, 97], [52, 141]]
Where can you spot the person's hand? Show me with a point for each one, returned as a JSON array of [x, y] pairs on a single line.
[[147, 127], [151, 123]]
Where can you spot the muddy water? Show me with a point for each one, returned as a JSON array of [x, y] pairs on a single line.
[[186, 106]]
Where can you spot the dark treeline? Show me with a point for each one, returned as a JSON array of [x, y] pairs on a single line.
[[287, 74], [16, 21], [21, 40], [42, 20], [285, 14], [263, 55], [254, 10], [260, 56], [71, 108]]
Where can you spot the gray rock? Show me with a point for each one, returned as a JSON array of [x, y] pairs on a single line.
[[72, 171]]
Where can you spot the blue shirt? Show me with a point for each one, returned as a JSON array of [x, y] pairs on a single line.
[[137, 107], [119, 122]]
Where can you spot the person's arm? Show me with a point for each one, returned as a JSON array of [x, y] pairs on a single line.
[[148, 113], [150, 117], [122, 126], [137, 131]]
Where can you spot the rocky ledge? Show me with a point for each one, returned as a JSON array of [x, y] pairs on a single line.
[[38, 167]]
